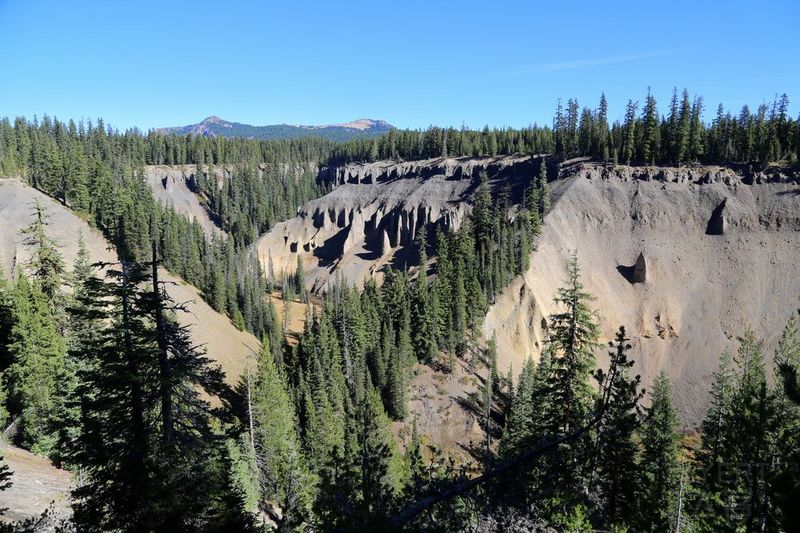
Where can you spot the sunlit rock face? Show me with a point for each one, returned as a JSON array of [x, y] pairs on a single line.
[[375, 211]]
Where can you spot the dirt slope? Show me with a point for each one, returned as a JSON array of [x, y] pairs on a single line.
[[36, 484], [223, 341], [720, 256], [34, 476]]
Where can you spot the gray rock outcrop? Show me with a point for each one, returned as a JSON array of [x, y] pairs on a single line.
[[376, 210], [640, 269]]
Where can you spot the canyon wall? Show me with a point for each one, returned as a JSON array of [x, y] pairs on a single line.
[[371, 218], [686, 259]]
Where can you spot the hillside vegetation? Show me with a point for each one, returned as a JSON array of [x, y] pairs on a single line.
[[100, 374]]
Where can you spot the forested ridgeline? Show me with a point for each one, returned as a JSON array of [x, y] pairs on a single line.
[[100, 378], [97, 172], [672, 135]]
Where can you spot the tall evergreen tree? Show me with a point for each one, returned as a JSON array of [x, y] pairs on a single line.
[[683, 129], [34, 379], [658, 460], [785, 489], [629, 142], [300, 280], [423, 314], [734, 485], [359, 485], [572, 340], [279, 465], [603, 150], [754, 423], [142, 468], [46, 265], [717, 443], [650, 131], [114, 448], [616, 469]]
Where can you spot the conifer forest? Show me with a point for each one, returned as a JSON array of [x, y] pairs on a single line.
[[588, 323]]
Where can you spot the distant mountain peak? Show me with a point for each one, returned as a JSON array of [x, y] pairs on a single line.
[[214, 119], [214, 125], [361, 124]]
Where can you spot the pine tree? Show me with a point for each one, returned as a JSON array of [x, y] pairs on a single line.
[[683, 131], [525, 429], [650, 133], [754, 424], [482, 216], [46, 265], [34, 378], [487, 399], [113, 448], [323, 401], [697, 132], [82, 269], [716, 426], [741, 439], [616, 468], [785, 489], [603, 149], [279, 464], [659, 459], [628, 146], [80, 330], [672, 129], [300, 280], [585, 132], [423, 316], [396, 375], [143, 468], [414, 464], [359, 485], [572, 341], [544, 190], [520, 428]]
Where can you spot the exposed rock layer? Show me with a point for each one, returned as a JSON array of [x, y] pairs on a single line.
[[372, 216], [176, 187], [686, 258], [692, 292]]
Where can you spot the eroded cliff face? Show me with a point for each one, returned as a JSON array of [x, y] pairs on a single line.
[[686, 259], [372, 216], [175, 187]]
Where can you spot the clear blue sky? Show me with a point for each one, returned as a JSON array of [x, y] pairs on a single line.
[[170, 63]]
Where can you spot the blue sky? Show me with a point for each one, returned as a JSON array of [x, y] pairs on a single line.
[[414, 63]]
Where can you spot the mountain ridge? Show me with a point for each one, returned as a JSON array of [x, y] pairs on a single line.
[[214, 125]]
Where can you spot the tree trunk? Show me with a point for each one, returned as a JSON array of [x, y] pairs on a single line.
[[163, 362]]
